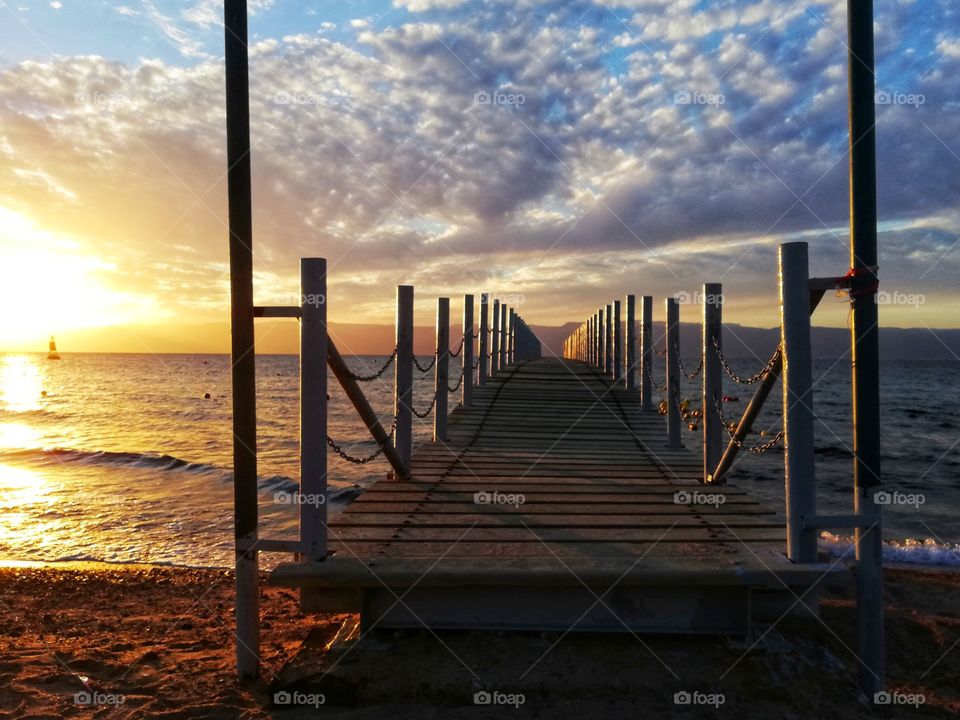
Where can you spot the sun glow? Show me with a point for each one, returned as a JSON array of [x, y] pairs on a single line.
[[48, 284]]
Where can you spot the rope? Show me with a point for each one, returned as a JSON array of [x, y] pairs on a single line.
[[748, 380], [379, 373], [361, 460]]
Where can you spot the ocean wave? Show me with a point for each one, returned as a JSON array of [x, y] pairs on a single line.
[[156, 461], [918, 552]]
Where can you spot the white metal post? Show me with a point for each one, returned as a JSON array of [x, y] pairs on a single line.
[[712, 396], [403, 375], [797, 379], [673, 373], [442, 370], [313, 407]]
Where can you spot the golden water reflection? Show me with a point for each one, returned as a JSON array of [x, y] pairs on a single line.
[[21, 383]]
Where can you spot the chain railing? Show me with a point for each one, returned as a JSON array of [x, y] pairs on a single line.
[[361, 460], [459, 383], [745, 380], [428, 410], [730, 427], [690, 375], [426, 368], [379, 373]]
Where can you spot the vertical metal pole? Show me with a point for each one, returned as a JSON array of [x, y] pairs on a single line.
[[466, 393], [864, 337], [617, 343], [590, 340], [797, 377], [630, 358], [403, 375], [512, 338], [608, 340], [484, 340], [601, 340], [712, 396], [495, 340], [313, 406], [673, 374], [441, 373], [242, 358], [503, 335], [646, 352]]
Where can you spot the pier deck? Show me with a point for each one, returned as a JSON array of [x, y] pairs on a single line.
[[553, 503]]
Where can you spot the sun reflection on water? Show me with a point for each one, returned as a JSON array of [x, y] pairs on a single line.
[[21, 385]]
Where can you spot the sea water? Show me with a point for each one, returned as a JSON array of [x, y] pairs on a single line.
[[127, 458]]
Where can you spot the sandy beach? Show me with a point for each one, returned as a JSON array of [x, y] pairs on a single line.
[[156, 642]]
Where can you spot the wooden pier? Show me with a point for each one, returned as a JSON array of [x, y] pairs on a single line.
[[554, 503]]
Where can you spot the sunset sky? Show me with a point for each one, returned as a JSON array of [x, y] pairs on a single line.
[[633, 146]]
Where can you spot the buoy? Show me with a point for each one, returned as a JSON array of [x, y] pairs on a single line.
[[206, 396], [730, 398], [43, 393], [53, 354]]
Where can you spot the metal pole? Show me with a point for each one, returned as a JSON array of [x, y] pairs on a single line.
[[864, 338], [617, 343], [601, 340], [441, 373], [512, 338], [495, 340], [242, 358], [503, 336], [646, 352], [313, 407], [673, 374], [798, 449], [608, 340], [484, 340], [466, 393], [712, 396], [630, 359], [403, 375]]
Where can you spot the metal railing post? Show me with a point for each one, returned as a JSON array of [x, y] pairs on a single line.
[[313, 407], [673, 373], [403, 375], [712, 395], [442, 370], [646, 353]]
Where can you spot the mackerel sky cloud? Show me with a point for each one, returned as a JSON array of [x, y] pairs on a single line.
[[566, 151]]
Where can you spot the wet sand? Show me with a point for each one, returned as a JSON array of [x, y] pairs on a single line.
[[155, 642]]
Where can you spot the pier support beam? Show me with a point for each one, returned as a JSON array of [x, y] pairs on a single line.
[[646, 352], [441, 373], [712, 397], [673, 373], [798, 447], [403, 375], [503, 336]]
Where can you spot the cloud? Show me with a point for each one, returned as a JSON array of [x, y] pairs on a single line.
[[563, 153]]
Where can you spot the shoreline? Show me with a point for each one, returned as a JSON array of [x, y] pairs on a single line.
[[161, 638]]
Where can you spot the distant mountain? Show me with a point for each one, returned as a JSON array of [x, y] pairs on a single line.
[[281, 337], [747, 342]]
